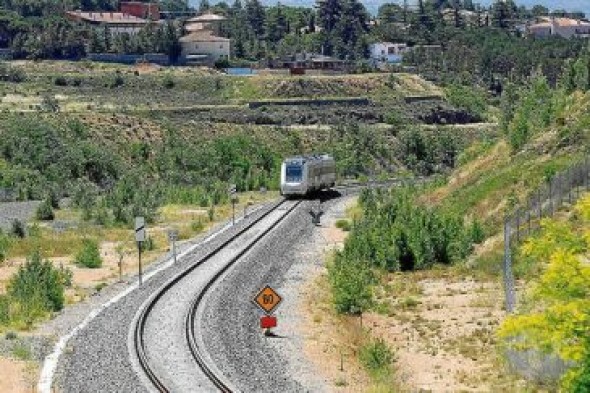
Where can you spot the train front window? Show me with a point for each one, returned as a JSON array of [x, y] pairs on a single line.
[[294, 173]]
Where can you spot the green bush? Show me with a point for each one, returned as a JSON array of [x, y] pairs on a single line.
[[45, 211], [351, 282], [38, 286], [18, 229], [376, 356], [343, 224], [197, 226], [4, 246], [149, 244], [168, 82], [89, 255], [471, 99], [117, 81], [53, 198], [60, 81]]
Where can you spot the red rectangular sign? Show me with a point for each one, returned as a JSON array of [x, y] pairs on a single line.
[[267, 322]]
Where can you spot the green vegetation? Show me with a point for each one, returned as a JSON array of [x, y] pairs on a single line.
[[35, 290], [89, 255], [376, 357], [344, 225], [45, 211], [394, 233], [555, 317]]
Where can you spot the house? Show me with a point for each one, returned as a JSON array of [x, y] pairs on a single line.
[[564, 27], [207, 21], [203, 43], [141, 9], [203, 47], [116, 22], [387, 52]]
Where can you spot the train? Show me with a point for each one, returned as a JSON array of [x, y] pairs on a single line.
[[302, 175]]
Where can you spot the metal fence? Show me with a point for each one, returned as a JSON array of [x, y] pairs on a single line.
[[563, 188]]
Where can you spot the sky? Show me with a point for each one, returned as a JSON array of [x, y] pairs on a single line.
[[373, 5]]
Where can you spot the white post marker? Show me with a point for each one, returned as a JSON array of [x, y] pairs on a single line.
[[232, 194], [139, 238], [173, 237]]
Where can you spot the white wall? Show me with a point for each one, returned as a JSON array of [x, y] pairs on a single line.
[[216, 50]]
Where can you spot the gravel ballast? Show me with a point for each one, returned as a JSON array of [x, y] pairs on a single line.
[[97, 358], [229, 321], [165, 334]]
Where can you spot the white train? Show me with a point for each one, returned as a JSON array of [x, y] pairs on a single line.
[[302, 175]]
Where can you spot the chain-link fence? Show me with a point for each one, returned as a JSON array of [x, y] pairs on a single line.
[[564, 187]]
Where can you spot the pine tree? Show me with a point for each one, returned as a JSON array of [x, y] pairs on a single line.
[[255, 15], [204, 6]]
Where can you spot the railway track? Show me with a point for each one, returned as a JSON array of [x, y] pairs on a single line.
[[196, 349]]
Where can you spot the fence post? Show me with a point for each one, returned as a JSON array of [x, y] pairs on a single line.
[[587, 172], [528, 218], [551, 197], [517, 225], [507, 268], [539, 204], [570, 175]]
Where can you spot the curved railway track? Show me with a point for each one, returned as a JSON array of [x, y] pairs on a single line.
[[198, 353]]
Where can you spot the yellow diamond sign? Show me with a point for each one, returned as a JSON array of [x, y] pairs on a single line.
[[268, 299]]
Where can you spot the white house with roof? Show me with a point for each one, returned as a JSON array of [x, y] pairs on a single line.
[[564, 27], [203, 44], [202, 47], [387, 52]]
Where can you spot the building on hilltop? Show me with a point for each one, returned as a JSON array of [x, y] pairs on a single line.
[[141, 9], [387, 52], [202, 47], [203, 43], [116, 22], [564, 27], [208, 21]]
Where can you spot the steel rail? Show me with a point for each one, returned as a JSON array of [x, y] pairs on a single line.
[[197, 351], [143, 316]]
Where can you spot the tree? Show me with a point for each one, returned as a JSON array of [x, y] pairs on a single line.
[[540, 10], [204, 6], [255, 16]]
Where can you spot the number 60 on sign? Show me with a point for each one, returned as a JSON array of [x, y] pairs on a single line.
[[268, 299]]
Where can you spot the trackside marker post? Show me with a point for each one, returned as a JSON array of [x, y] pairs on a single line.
[[139, 238], [268, 322], [268, 300]]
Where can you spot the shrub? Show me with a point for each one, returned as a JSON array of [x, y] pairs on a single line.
[[4, 246], [168, 82], [61, 81], [149, 244], [38, 286], [89, 255], [18, 229], [45, 211], [343, 224], [49, 103], [351, 282], [117, 81], [53, 198], [376, 356], [476, 232], [197, 226]]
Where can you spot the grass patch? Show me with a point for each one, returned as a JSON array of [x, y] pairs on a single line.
[[377, 358], [344, 224], [21, 351]]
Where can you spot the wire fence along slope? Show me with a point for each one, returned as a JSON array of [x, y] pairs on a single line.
[[563, 188]]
